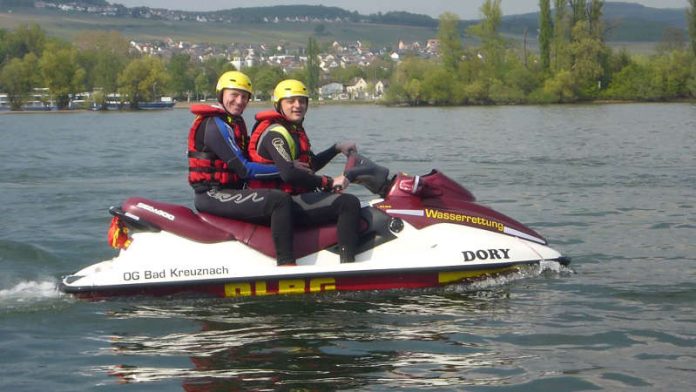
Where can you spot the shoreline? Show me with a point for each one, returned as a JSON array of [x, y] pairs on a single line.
[[187, 105]]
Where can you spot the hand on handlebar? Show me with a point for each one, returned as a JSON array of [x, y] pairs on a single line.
[[347, 147], [340, 183]]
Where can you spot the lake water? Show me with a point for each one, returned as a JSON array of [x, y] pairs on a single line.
[[612, 186]]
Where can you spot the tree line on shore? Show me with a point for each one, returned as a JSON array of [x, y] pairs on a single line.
[[573, 64], [103, 62]]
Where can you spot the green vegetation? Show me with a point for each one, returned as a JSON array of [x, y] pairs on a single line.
[[313, 72], [69, 26], [574, 65], [628, 24], [101, 61], [545, 34], [691, 23]]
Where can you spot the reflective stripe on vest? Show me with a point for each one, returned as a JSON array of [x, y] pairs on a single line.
[[286, 135]]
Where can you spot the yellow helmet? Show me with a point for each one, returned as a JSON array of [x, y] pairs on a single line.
[[289, 88], [235, 80]]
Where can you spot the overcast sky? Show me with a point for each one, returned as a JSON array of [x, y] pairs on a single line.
[[466, 9]]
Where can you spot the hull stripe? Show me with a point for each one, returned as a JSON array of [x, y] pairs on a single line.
[[260, 286]]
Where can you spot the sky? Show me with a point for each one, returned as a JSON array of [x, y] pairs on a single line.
[[465, 9]]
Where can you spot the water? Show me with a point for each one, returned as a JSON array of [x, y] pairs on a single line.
[[612, 186]]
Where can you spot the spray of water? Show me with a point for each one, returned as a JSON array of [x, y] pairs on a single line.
[[28, 294]]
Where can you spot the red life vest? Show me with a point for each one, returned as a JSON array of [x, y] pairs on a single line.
[[206, 170], [301, 152]]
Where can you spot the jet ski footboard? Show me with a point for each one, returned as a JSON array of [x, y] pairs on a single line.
[[379, 228]]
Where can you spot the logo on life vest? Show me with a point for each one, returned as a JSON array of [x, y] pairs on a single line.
[[486, 254], [279, 145]]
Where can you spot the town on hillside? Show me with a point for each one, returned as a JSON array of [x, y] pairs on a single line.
[[241, 56], [341, 55], [566, 59], [176, 15]]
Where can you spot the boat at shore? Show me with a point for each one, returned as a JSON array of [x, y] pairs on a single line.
[[163, 104], [81, 104]]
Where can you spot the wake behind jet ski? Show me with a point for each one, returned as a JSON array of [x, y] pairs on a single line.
[[423, 231]]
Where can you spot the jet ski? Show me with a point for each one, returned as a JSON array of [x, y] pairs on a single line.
[[418, 232]]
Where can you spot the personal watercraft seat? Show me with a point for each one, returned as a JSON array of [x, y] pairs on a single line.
[[306, 240], [143, 214], [149, 215]]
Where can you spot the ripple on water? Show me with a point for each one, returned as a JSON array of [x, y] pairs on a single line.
[[15, 251], [401, 338]]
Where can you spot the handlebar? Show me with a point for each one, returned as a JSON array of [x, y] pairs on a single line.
[[363, 171]]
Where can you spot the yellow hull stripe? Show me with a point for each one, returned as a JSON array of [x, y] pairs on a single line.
[[456, 276]]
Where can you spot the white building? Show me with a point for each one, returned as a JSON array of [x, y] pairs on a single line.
[[357, 90], [331, 91]]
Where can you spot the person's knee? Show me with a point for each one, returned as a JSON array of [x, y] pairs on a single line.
[[279, 200], [348, 202]]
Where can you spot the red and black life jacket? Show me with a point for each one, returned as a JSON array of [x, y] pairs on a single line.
[[297, 141], [206, 170]]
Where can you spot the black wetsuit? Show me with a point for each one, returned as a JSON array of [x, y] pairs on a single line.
[[315, 208], [262, 206]]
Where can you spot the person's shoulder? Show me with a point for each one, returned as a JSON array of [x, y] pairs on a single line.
[[277, 128], [206, 123], [276, 125], [208, 120]]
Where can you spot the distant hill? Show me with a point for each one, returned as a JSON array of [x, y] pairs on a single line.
[[626, 22], [258, 14]]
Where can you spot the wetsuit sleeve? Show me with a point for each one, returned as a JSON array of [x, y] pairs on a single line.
[[320, 160], [219, 138], [275, 146]]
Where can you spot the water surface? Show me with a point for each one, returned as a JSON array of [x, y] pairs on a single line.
[[612, 186]]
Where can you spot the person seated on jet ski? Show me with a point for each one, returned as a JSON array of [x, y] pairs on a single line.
[[218, 166], [279, 138]]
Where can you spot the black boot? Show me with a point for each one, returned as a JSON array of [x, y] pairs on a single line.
[[286, 263], [346, 255]]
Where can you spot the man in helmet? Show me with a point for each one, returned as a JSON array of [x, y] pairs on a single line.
[[279, 138], [219, 166]]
